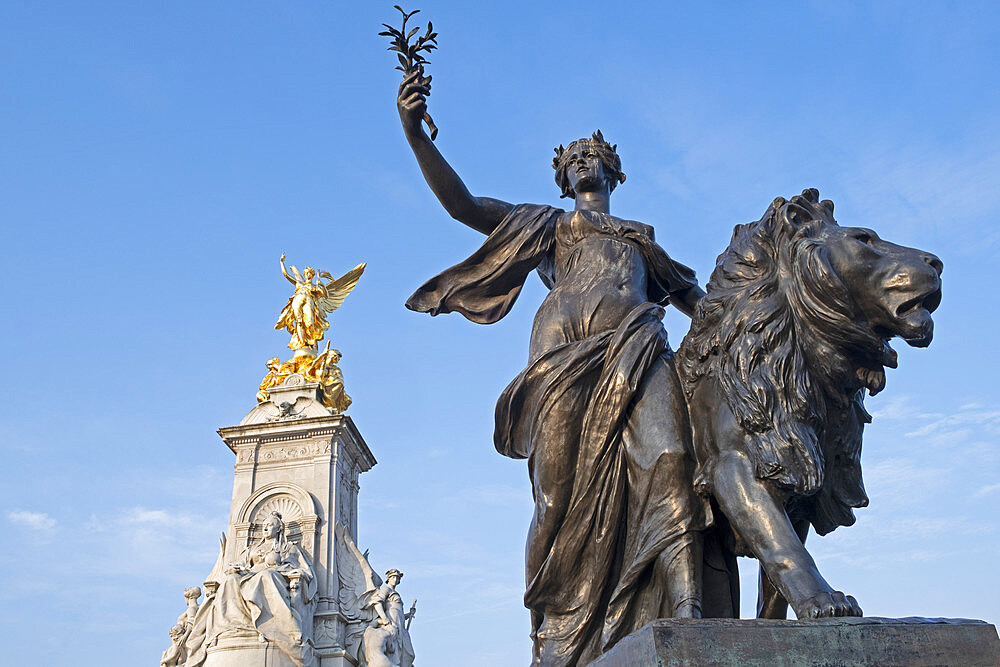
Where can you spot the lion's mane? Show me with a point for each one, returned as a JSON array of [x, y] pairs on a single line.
[[774, 292]]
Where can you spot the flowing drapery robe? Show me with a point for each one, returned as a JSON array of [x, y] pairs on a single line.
[[595, 584], [259, 601], [313, 317]]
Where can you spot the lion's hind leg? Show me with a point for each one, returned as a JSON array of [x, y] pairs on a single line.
[[757, 512]]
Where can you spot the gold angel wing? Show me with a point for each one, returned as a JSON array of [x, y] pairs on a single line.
[[337, 290]]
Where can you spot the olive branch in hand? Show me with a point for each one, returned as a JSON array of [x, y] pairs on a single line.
[[411, 56]]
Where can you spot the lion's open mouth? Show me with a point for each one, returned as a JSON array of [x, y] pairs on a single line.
[[928, 302], [913, 318]]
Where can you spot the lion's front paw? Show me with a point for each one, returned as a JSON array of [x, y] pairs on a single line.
[[826, 605]]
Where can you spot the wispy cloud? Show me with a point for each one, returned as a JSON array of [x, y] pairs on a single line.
[[970, 430], [900, 482], [899, 408], [138, 541], [39, 521], [494, 494], [965, 417], [946, 189], [929, 527], [142, 516], [987, 490]]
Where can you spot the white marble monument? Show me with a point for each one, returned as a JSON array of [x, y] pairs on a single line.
[[294, 457], [290, 587]]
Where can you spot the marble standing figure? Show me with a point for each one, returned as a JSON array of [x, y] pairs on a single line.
[[387, 640], [599, 413], [378, 630]]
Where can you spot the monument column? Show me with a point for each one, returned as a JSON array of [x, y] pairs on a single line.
[[294, 457]]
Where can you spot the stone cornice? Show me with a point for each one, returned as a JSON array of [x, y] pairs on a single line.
[[310, 428]]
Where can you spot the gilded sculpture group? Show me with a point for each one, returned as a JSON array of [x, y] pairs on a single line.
[[304, 316]]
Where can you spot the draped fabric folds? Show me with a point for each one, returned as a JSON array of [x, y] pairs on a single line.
[[258, 601], [631, 501], [595, 586], [484, 287]]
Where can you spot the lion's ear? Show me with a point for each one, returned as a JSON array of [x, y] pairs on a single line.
[[796, 215], [811, 195]]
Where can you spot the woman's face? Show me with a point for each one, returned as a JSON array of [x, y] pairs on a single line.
[[584, 169], [270, 528]]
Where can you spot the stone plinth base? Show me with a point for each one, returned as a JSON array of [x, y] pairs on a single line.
[[245, 652], [913, 642], [336, 659]]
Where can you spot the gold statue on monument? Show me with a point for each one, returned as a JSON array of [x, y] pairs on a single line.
[[304, 316]]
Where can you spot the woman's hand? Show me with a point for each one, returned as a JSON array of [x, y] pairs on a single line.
[[412, 100]]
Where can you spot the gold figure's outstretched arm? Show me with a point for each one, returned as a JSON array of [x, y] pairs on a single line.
[[284, 272], [337, 290]]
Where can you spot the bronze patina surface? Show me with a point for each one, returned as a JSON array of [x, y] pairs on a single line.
[[599, 413], [651, 472]]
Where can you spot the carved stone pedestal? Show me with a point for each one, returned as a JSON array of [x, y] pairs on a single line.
[[909, 642], [294, 457], [245, 652]]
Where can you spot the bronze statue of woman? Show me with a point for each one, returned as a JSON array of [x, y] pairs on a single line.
[[615, 541]]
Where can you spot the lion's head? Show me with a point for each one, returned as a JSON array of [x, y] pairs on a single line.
[[795, 324]]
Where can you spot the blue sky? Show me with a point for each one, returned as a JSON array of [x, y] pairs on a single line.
[[158, 158]]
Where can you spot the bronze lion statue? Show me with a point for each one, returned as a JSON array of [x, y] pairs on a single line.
[[793, 330]]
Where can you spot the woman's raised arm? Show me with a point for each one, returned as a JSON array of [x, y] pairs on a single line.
[[481, 213], [284, 272]]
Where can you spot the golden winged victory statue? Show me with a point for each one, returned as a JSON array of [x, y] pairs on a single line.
[[304, 316]]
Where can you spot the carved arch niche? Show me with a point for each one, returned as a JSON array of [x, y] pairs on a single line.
[[298, 510]]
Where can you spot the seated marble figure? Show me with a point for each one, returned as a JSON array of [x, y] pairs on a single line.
[[267, 596]]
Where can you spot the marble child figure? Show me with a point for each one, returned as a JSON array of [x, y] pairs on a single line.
[[599, 414]]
